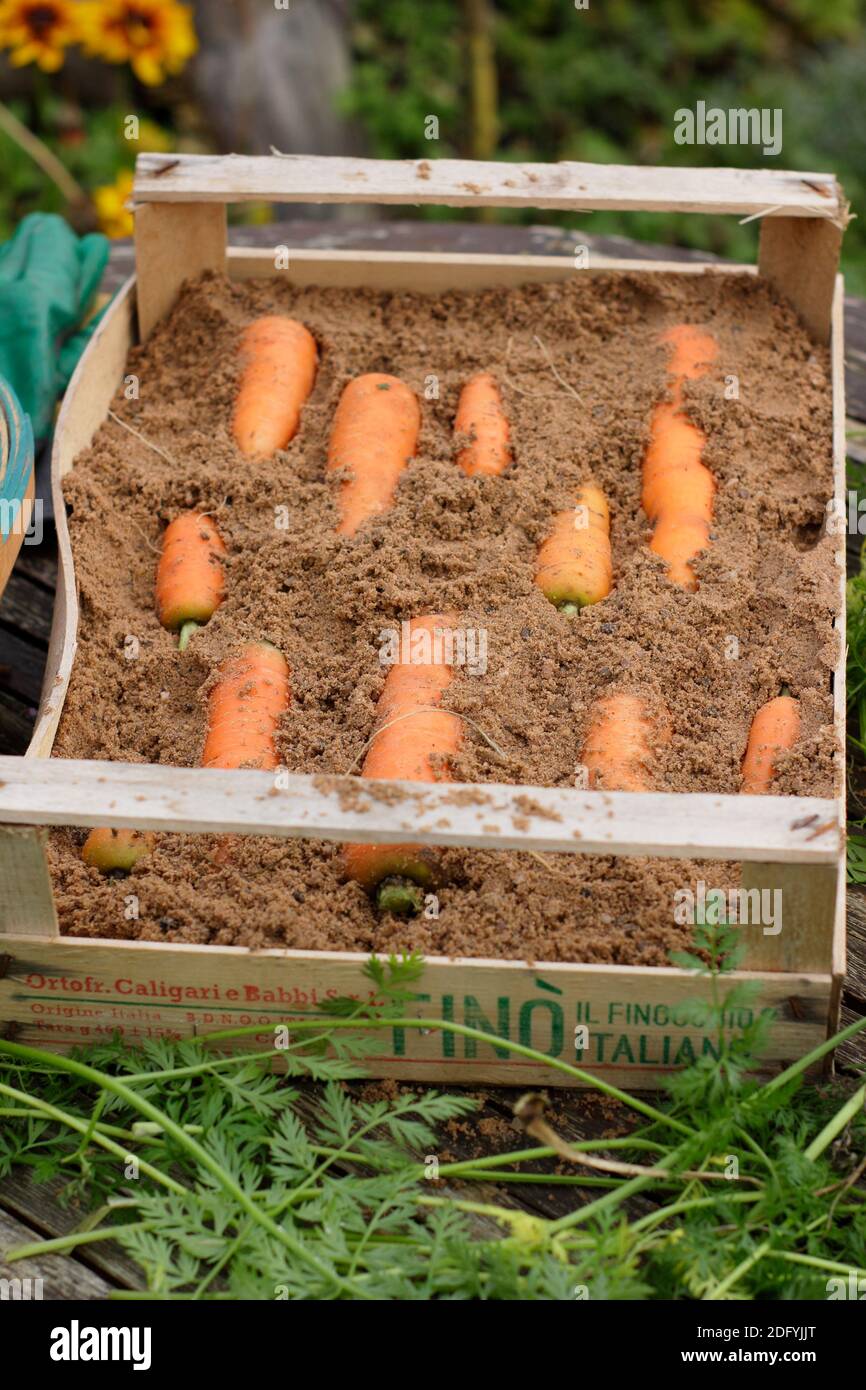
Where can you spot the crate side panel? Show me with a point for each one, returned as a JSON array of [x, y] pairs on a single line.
[[26, 896], [639, 1026], [84, 408], [840, 694]]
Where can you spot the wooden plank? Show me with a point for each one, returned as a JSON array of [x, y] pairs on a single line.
[[172, 244], [85, 406], [16, 724], [47, 1276], [38, 1206], [640, 1022], [38, 564], [800, 256], [851, 1056], [92, 386], [25, 607], [436, 273], [26, 899], [840, 703], [806, 916], [22, 665], [471, 183], [781, 829], [855, 979]]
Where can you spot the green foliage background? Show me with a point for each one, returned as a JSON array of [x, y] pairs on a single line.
[[604, 84]]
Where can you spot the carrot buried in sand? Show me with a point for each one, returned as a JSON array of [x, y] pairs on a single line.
[[190, 582], [678, 489], [411, 732], [280, 360], [775, 729], [245, 707], [374, 435], [189, 589], [618, 753], [480, 416], [243, 713], [574, 565]]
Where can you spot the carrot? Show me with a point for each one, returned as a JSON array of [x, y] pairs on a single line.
[[480, 416], [374, 435], [574, 565], [280, 360], [245, 707], [775, 728], [410, 733], [190, 583], [678, 489], [107, 849], [619, 747], [244, 710]]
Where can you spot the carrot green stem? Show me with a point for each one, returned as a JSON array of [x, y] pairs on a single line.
[[185, 633], [784, 689], [400, 896], [225, 1178], [569, 609]]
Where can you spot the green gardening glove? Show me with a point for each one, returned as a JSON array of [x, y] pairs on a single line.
[[48, 277]]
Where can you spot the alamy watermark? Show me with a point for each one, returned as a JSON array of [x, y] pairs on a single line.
[[745, 907], [851, 520], [737, 126], [77, 1343], [444, 646], [21, 1290], [19, 518]]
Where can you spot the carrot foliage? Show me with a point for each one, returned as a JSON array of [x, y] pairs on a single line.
[[222, 1179]]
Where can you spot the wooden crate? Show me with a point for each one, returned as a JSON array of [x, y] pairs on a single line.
[[59, 991]]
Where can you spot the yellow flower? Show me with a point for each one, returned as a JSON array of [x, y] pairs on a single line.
[[38, 31], [151, 137], [115, 219], [156, 37]]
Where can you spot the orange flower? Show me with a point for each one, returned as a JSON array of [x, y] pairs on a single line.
[[38, 31], [156, 37]]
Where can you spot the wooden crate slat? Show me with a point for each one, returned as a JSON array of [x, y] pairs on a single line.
[[840, 705], [779, 829], [461, 183], [640, 1024], [430, 272]]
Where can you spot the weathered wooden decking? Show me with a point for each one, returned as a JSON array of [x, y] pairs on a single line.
[[28, 1212]]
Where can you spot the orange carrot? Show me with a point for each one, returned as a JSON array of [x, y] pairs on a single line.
[[775, 728], [245, 707], [374, 435], [190, 582], [411, 737], [574, 565], [244, 710], [280, 360], [619, 747], [109, 850], [678, 489], [480, 416]]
